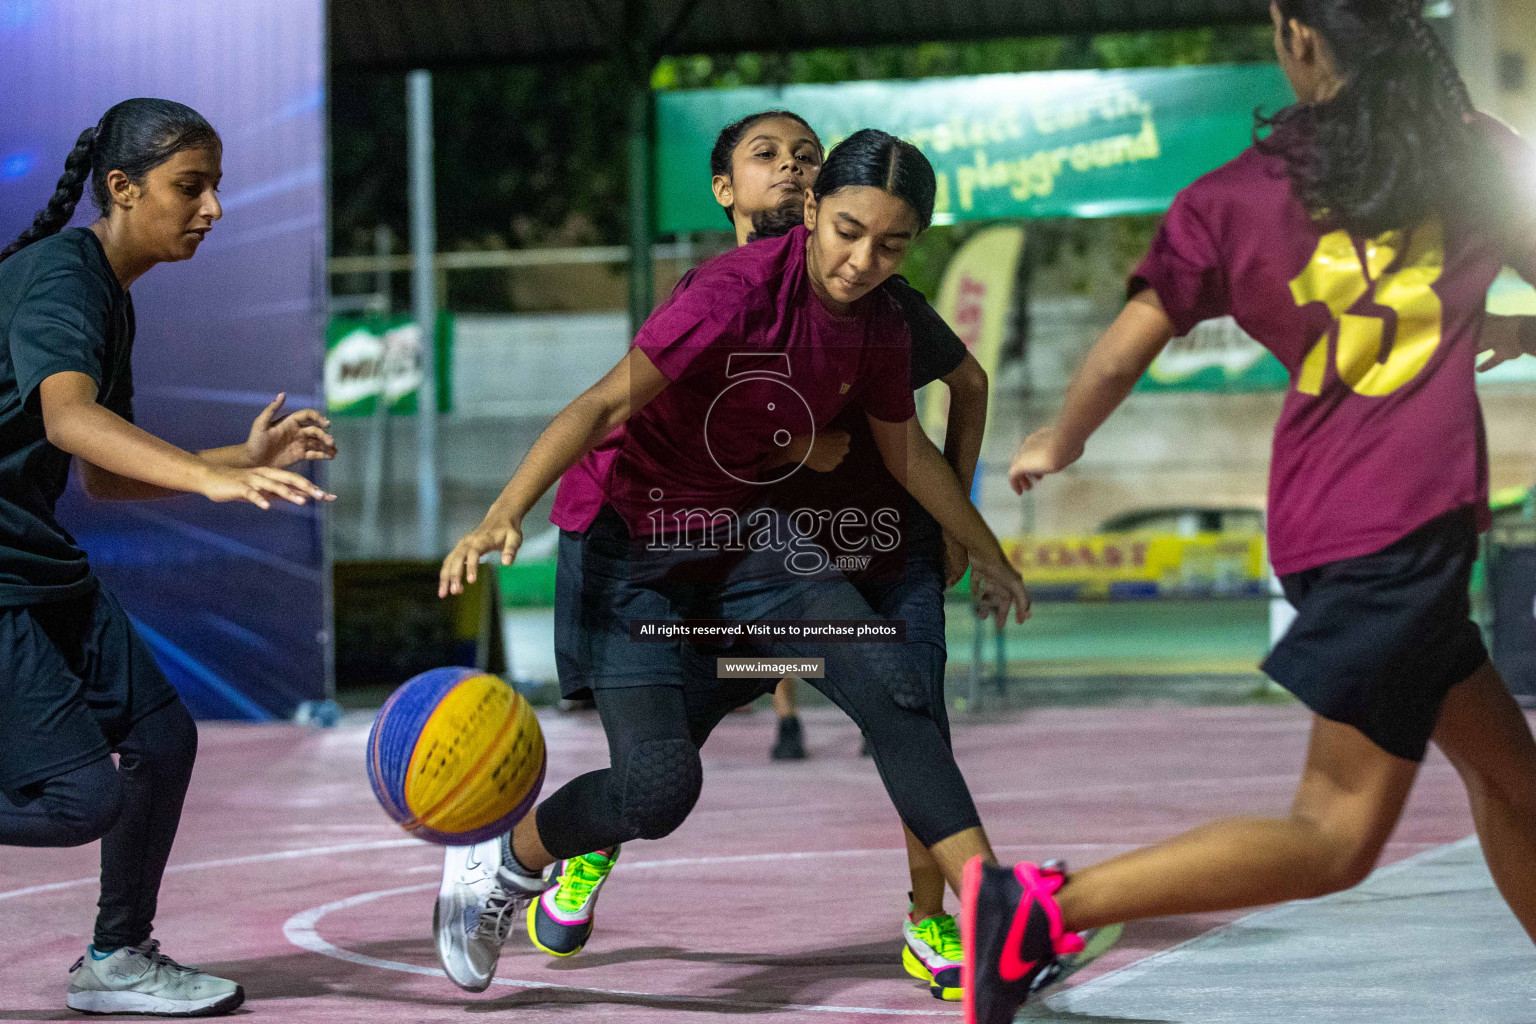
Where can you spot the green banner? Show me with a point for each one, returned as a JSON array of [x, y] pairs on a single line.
[[1042, 144], [366, 357], [1215, 356]]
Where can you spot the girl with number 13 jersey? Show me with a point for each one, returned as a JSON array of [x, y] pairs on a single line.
[[1356, 240]]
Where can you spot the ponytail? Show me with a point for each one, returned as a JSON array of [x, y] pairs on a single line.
[[50, 220], [134, 137]]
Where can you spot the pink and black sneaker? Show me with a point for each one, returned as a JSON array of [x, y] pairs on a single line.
[[1011, 929]]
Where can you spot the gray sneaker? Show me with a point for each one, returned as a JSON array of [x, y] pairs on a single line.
[[141, 979], [482, 896]]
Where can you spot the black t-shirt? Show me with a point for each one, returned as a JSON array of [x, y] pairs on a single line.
[[936, 350], [61, 308]]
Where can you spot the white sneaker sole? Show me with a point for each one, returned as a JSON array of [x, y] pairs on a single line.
[[468, 982], [88, 1001]]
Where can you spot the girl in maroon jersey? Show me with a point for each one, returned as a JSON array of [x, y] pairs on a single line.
[[1357, 242]]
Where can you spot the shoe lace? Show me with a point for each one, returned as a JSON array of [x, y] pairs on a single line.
[[942, 936], [151, 951], [581, 875], [500, 914]]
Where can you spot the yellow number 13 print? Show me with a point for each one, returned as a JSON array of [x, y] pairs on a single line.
[[1337, 277]]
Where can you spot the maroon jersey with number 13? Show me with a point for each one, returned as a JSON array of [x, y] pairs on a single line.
[[1381, 430]]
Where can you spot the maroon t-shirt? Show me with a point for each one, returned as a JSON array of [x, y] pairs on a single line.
[[754, 359], [1381, 430]]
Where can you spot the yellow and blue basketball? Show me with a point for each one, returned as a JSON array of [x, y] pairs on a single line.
[[456, 756]]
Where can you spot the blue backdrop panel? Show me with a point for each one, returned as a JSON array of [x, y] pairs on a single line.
[[234, 601]]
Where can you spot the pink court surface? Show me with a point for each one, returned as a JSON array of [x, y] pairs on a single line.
[[781, 896]]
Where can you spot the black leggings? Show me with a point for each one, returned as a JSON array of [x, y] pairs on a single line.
[[655, 774], [133, 808]]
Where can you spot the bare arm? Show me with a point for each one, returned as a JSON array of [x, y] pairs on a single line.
[[1107, 376], [110, 444], [967, 423], [967, 385], [275, 441], [578, 428], [912, 458]]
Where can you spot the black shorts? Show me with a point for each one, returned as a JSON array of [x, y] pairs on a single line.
[[74, 676], [600, 588], [597, 592], [1379, 640]]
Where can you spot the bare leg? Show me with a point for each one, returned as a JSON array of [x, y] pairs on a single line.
[[528, 847], [1350, 797], [786, 702], [951, 854], [927, 879], [1487, 738]]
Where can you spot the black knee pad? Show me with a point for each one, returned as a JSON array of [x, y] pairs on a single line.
[[662, 779]]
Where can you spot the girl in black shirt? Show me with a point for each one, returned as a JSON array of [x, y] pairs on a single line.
[[76, 682]]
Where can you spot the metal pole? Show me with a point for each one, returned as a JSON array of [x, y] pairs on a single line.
[[423, 197], [642, 287], [376, 457]]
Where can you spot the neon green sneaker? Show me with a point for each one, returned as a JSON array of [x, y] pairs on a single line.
[[560, 921], [933, 954]]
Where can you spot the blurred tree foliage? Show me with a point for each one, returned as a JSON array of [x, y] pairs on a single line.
[[532, 156]]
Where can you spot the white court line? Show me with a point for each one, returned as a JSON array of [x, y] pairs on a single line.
[[300, 930], [254, 858]]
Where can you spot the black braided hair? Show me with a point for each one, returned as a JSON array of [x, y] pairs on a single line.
[[731, 135], [1398, 142], [66, 195], [134, 137]]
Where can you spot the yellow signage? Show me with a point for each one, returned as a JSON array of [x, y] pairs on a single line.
[[1141, 565]]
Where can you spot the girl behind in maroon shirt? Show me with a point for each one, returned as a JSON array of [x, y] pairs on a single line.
[[1355, 204]]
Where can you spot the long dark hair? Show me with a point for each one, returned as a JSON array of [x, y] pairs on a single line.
[[134, 137], [877, 159], [1398, 142], [731, 135]]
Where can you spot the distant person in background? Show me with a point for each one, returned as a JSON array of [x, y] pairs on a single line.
[[77, 683], [1357, 242]]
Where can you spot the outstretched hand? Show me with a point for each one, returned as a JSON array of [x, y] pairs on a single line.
[[280, 440], [463, 562], [260, 486], [999, 588], [1041, 454]]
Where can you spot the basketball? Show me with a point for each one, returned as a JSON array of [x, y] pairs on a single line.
[[456, 756]]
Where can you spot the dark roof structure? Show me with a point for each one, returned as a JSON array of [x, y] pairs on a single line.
[[401, 34]]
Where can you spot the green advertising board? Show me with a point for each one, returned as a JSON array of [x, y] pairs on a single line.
[[370, 357], [1041, 144]]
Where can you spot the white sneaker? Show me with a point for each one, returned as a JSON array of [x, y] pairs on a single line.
[[482, 896], [141, 979]]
